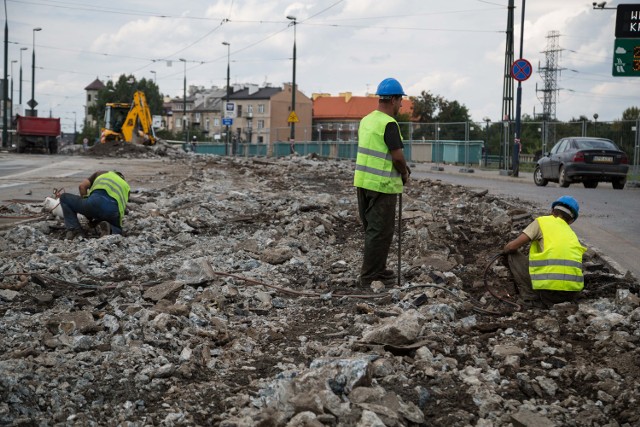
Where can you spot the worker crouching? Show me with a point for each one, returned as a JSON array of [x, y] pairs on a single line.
[[103, 199], [553, 272]]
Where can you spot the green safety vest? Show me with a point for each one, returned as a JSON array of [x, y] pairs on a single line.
[[374, 168], [559, 266], [116, 187]]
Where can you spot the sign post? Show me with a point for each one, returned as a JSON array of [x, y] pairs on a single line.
[[521, 71]]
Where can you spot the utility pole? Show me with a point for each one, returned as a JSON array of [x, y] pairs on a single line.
[[515, 161], [5, 135], [507, 88]]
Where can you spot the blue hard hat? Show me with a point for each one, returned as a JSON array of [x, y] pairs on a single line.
[[570, 203], [390, 87]]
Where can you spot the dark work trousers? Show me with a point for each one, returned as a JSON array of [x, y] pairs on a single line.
[[378, 214], [99, 206]]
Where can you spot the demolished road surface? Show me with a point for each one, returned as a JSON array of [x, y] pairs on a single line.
[[231, 300]]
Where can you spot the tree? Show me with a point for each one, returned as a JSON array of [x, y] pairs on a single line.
[[122, 91], [430, 108], [631, 113]]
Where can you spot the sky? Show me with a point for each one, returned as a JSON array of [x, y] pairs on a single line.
[[454, 49]]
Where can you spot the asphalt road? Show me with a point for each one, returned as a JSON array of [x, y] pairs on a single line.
[[609, 219]]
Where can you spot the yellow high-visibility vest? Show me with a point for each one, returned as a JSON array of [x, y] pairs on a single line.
[[374, 167], [116, 187], [558, 267]]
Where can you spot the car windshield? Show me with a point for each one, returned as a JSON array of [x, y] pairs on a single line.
[[595, 143]]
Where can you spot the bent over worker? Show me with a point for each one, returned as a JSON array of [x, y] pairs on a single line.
[[555, 256], [103, 198], [381, 172]]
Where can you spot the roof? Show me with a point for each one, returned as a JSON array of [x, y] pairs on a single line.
[[347, 107], [95, 85], [262, 93]]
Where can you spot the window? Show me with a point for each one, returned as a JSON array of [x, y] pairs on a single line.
[[88, 96], [261, 108], [260, 139], [250, 108], [260, 124], [206, 124], [216, 122], [239, 111]]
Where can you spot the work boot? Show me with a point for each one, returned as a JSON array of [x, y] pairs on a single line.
[[103, 228], [387, 274], [73, 234]]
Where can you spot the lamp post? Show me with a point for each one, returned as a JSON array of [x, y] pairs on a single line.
[[184, 105], [20, 82], [32, 102], [595, 122], [292, 137], [487, 120], [75, 129], [154, 76], [227, 136], [15, 61]]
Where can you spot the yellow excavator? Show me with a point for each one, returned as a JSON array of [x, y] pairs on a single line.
[[129, 122]]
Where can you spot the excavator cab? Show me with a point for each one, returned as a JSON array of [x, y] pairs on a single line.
[[129, 122]]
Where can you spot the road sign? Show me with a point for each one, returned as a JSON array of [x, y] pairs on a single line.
[[628, 21], [230, 109], [32, 103], [626, 57], [521, 69], [293, 118], [227, 121]]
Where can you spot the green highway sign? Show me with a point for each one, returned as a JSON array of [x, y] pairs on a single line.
[[626, 58]]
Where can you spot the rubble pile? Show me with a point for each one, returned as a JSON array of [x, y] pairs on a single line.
[[232, 300]]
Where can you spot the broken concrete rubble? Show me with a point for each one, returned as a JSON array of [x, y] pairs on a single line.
[[232, 301]]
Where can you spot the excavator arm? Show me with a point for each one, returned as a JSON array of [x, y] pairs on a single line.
[[136, 127]]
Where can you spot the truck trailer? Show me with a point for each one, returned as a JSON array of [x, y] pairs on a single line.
[[37, 134]]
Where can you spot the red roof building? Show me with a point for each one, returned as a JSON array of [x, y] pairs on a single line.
[[336, 118]]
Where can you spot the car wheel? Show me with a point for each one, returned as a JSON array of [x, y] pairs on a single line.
[[562, 178], [590, 184], [537, 177], [618, 184]]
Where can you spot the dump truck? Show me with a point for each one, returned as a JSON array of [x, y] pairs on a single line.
[[37, 134], [129, 122]]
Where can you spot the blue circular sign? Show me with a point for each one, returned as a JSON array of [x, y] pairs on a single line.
[[521, 69]]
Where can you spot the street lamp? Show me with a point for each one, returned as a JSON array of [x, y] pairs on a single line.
[[32, 102], [184, 104], [292, 137], [75, 132], [227, 136], [595, 122], [154, 76], [12, 99], [487, 120], [20, 83]]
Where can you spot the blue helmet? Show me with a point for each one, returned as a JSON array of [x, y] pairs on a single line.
[[568, 202], [390, 87]]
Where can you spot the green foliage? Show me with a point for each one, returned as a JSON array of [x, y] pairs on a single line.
[[403, 120], [631, 113], [122, 91], [430, 108]]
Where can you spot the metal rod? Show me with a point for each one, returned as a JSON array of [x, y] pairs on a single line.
[[400, 241]]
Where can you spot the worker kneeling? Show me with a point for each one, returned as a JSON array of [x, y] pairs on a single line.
[[554, 272], [103, 199]]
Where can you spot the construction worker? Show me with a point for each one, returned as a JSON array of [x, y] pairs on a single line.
[[553, 271], [103, 199], [381, 172]]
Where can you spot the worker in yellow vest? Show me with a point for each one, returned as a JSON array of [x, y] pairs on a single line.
[[555, 256], [381, 172], [103, 199]]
